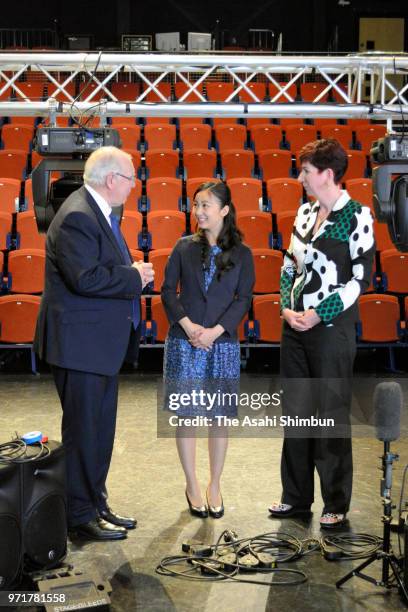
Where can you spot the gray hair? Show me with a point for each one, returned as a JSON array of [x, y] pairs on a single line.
[[102, 162]]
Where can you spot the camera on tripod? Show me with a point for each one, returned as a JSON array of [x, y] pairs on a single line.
[[390, 186], [65, 151]]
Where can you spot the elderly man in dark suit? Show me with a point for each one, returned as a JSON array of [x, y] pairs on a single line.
[[88, 323]]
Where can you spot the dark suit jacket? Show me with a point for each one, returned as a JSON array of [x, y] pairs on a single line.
[[226, 301], [85, 318]]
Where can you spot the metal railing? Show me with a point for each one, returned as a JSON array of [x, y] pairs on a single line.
[[372, 86]]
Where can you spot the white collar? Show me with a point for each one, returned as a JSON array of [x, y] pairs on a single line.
[[342, 200], [101, 202]]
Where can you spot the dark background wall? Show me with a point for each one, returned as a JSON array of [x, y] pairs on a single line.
[[307, 25]]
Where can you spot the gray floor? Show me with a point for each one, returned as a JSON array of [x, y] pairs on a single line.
[[146, 481]]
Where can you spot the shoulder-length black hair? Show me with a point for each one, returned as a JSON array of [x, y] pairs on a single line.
[[230, 235]]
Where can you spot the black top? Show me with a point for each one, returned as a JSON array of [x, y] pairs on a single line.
[[227, 300]]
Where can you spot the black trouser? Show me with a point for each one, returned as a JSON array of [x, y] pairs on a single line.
[[89, 403], [324, 352]]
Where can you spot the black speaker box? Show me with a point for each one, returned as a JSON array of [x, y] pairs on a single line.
[[11, 550], [33, 525]]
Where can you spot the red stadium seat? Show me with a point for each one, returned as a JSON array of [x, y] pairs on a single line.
[[257, 228], [195, 136], [394, 267], [160, 136], [162, 163], [132, 202], [275, 164], [268, 264], [9, 195], [276, 94], [284, 194], [382, 237], [131, 226], [258, 90], [27, 231], [160, 319], [165, 227], [164, 194], [5, 229], [285, 222], [230, 137], [267, 315], [17, 136], [200, 162], [342, 133], [297, 136], [26, 271], [125, 91], [129, 135], [379, 318], [357, 164], [311, 91], [361, 190], [152, 96], [13, 164], [219, 92], [366, 135], [246, 193], [159, 259], [266, 136], [238, 163], [18, 318], [181, 89]]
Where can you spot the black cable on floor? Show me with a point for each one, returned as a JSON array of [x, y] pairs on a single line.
[[229, 558]]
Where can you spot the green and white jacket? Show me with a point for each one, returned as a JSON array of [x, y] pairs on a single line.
[[328, 271]]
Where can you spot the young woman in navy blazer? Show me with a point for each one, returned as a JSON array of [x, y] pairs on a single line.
[[215, 273]]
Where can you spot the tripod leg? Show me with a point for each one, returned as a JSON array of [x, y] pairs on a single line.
[[395, 570], [356, 572]]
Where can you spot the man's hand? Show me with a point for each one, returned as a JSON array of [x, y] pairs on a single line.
[[145, 270]]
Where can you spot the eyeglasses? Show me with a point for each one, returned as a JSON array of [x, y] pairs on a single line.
[[132, 178]]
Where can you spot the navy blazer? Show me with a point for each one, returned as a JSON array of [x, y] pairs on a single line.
[[85, 318], [227, 300]]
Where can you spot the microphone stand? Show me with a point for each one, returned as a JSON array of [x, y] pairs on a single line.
[[386, 555]]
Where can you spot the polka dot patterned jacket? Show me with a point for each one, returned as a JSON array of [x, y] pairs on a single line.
[[328, 271]]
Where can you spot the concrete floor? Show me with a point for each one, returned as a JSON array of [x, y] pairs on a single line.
[[146, 481]]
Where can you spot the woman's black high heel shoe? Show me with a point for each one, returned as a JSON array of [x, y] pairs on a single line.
[[215, 511], [200, 511]]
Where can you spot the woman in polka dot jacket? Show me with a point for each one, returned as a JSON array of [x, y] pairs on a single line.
[[327, 266]]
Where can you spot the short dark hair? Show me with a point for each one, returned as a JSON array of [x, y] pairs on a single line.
[[326, 153]]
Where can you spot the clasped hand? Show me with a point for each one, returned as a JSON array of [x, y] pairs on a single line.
[[301, 321], [202, 337], [145, 270]]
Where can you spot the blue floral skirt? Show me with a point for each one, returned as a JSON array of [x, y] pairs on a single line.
[[199, 382]]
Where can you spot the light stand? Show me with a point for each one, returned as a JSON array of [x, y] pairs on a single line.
[[389, 560]]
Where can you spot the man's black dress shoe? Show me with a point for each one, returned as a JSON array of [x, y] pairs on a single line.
[[99, 530], [121, 521]]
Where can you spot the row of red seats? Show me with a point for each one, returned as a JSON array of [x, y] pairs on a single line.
[[162, 228], [19, 137], [26, 269], [276, 195], [380, 319], [196, 163]]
